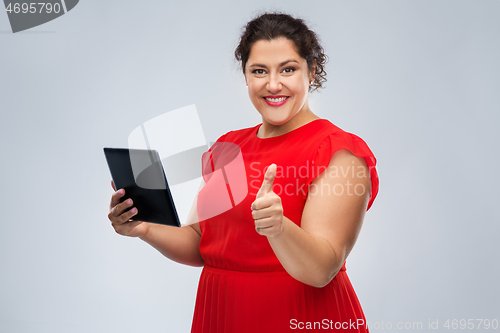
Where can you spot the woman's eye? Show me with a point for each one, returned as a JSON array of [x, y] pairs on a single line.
[[289, 70], [258, 71]]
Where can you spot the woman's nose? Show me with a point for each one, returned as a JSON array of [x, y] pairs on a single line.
[[274, 84]]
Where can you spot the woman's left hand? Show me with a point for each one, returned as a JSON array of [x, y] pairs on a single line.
[[267, 210]]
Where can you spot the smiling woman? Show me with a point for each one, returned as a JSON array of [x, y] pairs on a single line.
[[278, 79], [282, 262], [275, 260]]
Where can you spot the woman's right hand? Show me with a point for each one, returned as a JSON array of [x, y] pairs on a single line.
[[120, 220]]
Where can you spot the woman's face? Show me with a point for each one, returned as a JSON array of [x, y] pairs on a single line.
[[278, 80]]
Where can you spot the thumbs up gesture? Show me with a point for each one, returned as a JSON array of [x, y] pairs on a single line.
[[267, 210]]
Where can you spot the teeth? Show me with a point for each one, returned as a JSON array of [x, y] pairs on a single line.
[[275, 100]]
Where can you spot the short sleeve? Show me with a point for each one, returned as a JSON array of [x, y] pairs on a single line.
[[344, 140]]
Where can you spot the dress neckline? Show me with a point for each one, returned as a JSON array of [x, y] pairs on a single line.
[[287, 133]]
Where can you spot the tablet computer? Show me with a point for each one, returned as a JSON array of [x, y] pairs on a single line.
[[140, 172]]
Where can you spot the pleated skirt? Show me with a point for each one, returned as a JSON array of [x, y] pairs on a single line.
[[240, 302]]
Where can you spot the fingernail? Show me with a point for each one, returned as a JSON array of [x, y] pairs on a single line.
[[133, 210], [129, 202], [121, 191]]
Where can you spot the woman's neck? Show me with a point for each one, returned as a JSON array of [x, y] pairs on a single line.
[[268, 130]]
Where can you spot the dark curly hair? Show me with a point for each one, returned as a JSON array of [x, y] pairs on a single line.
[[269, 26]]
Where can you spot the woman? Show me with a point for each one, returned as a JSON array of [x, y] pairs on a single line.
[[276, 261]]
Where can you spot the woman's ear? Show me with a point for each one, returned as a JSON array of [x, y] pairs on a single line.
[[312, 74]]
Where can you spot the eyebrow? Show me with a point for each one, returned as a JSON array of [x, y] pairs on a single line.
[[280, 65]]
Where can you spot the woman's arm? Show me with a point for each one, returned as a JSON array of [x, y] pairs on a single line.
[[181, 245], [331, 220], [178, 244]]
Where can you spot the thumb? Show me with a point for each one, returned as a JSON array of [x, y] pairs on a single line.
[[267, 184]]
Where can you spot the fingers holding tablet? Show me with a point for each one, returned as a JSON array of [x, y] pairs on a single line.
[[120, 214]]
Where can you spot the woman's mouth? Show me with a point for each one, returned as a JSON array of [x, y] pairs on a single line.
[[276, 100]]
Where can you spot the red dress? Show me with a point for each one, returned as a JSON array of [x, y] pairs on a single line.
[[243, 286]]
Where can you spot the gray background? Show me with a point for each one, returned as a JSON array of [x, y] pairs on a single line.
[[417, 80]]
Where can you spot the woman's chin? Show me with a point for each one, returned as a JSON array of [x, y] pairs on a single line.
[[276, 121]]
